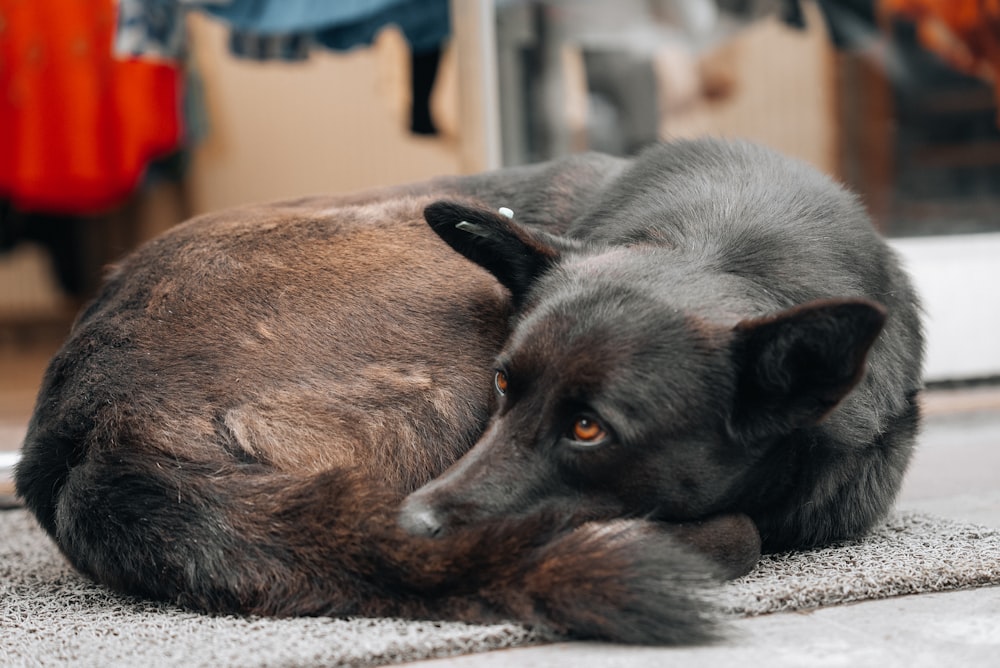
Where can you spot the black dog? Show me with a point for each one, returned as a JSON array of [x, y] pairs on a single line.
[[706, 333]]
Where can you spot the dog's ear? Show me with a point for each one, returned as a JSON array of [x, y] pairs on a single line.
[[516, 256], [794, 367]]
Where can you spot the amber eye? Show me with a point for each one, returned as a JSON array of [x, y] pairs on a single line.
[[587, 430], [500, 382]]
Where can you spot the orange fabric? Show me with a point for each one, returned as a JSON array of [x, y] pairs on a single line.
[[965, 33], [77, 127]]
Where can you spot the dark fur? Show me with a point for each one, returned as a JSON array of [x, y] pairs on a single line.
[[234, 421]]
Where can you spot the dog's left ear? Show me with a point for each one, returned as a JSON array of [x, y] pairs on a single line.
[[794, 367], [516, 256]]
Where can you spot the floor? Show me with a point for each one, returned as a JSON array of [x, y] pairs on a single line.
[[956, 473]]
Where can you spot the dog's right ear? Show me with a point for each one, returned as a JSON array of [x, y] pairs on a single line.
[[514, 255], [795, 366]]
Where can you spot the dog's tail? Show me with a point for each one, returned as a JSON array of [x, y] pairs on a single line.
[[245, 539]]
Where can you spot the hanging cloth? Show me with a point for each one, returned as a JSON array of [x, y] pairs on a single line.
[[336, 25], [77, 126]]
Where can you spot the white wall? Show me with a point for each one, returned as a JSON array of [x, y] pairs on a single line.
[[958, 279], [784, 94]]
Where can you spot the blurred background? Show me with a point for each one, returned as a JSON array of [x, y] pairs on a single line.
[[121, 119]]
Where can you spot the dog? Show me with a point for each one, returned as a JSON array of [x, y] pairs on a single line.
[[569, 395]]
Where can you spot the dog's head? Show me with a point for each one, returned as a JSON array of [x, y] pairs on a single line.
[[612, 400]]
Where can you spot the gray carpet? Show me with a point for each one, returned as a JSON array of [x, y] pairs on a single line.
[[50, 615], [910, 554]]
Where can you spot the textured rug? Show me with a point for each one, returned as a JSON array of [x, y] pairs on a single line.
[[51, 615], [911, 553]]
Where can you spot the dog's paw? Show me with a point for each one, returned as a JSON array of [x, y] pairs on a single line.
[[731, 542]]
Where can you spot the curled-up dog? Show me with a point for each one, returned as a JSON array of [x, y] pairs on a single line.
[[573, 412]]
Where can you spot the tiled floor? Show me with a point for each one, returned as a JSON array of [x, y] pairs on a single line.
[[956, 473]]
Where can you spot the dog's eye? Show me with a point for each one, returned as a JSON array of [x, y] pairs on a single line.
[[587, 430], [500, 382]]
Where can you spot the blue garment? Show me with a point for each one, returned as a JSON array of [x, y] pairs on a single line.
[[281, 29], [340, 25], [150, 28]]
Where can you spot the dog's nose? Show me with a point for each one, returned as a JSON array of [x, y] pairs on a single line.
[[419, 519]]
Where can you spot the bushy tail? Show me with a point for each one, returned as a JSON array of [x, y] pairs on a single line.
[[245, 539]]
